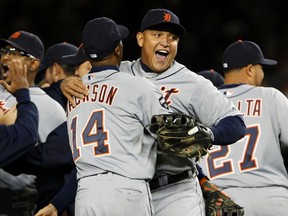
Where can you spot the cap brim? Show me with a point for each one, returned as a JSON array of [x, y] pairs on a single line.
[[43, 67], [268, 62], [72, 60], [4, 42], [124, 32], [75, 59]]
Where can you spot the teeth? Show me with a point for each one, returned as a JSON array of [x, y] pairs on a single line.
[[5, 67], [162, 51]]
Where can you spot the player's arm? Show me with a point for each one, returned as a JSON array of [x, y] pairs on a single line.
[[18, 138], [229, 130], [62, 199]]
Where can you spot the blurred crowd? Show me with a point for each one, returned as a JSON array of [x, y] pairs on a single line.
[[210, 26]]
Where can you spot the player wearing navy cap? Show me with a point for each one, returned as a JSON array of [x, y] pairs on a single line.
[[18, 138], [252, 172], [54, 69], [114, 154], [175, 188], [50, 158], [18, 195], [80, 60]]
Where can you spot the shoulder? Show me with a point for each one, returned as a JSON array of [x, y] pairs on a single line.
[[126, 65]]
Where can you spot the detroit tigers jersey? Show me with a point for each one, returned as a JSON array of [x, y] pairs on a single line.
[[107, 128], [189, 93], [256, 160]]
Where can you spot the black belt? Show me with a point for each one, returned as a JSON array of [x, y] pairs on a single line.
[[169, 179]]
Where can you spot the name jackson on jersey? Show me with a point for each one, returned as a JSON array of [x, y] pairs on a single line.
[[99, 93], [104, 94]]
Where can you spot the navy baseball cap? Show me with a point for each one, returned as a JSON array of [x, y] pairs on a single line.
[[26, 42], [242, 53], [216, 78], [101, 36], [76, 59], [55, 52], [54, 55], [162, 19]]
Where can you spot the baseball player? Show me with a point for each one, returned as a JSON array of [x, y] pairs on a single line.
[[17, 194], [175, 188], [18, 138], [55, 69], [252, 171], [114, 154], [50, 159], [80, 60]]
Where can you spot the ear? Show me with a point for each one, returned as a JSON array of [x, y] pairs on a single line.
[[249, 71], [140, 38], [117, 50], [57, 69], [35, 63]]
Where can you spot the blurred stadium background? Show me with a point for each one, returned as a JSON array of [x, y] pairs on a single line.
[[211, 26]]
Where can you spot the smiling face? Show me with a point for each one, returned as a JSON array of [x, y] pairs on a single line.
[[159, 49]]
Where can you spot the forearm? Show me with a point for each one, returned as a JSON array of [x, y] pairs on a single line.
[[67, 195], [229, 130]]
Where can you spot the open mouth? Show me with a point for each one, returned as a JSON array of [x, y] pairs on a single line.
[[5, 68], [161, 54]]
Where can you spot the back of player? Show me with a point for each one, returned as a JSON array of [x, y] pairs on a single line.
[[112, 125], [254, 163], [115, 156]]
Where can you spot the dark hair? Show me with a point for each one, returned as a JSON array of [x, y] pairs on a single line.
[[69, 69]]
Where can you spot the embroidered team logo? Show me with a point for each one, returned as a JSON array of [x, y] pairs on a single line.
[[167, 17], [16, 35]]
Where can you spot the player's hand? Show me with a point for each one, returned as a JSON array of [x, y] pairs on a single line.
[[48, 210], [18, 73], [73, 86]]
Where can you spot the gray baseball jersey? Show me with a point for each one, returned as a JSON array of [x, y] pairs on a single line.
[[107, 128], [256, 160], [192, 94], [189, 93]]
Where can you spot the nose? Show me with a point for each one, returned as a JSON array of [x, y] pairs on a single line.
[[165, 41]]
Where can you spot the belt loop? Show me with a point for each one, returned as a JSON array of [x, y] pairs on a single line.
[[110, 175]]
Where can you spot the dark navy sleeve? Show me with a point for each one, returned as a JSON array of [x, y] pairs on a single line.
[[67, 195], [200, 172], [229, 130], [19, 138]]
